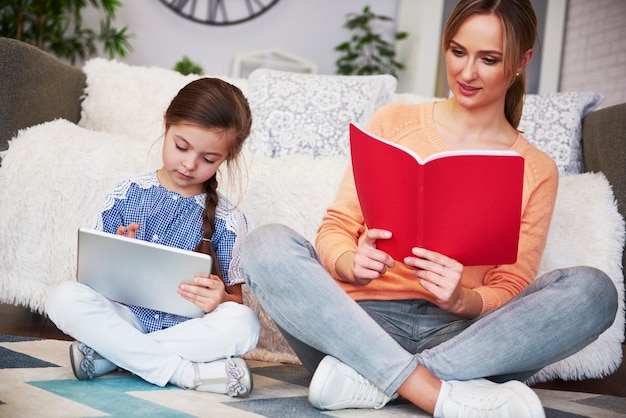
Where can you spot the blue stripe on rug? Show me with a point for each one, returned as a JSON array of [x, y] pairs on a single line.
[[109, 395]]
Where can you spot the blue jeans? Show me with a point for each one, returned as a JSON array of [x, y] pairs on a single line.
[[557, 315]]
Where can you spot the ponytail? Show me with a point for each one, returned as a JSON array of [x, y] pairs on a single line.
[[514, 100]]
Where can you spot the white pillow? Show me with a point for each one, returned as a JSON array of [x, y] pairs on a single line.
[[130, 100], [54, 178], [294, 190], [310, 113], [587, 229], [553, 123]]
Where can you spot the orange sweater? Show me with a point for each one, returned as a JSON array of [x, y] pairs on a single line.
[[413, 126]]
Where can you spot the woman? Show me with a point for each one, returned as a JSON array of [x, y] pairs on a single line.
[[428, 328]]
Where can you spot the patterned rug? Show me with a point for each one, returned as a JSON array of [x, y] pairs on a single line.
[[36, 381]]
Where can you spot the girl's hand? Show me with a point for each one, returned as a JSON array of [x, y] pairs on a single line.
[[205, 292], [369, 263], [441, 276], [130, 231]]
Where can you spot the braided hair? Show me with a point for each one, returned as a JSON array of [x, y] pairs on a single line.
[[214, 104]]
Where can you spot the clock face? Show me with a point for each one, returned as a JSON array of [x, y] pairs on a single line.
[[219, 12]]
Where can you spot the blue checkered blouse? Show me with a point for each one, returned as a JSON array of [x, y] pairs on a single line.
[[170, 219]]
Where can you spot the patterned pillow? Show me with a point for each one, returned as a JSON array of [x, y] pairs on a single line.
[[553, 123], [309, 114]]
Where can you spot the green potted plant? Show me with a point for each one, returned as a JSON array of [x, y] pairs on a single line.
[[186, 66], [367, 52], [56, 26]]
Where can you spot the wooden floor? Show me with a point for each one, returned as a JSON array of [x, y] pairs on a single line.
[[21, 321]]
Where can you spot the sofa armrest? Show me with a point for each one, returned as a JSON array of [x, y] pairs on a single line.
[[35, 87], [604, 150]]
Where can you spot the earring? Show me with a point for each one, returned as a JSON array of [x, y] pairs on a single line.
[[516, 74]]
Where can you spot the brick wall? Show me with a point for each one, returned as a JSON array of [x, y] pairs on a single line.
[[594, 53]]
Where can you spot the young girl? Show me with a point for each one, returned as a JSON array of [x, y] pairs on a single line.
[[179, 206], [427, 328]]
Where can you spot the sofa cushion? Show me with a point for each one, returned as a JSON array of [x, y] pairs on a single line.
[[130, 100], [553, 123], [309, 113]]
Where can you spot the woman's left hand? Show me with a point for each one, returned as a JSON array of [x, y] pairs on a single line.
[[205, 292], [441, 276]]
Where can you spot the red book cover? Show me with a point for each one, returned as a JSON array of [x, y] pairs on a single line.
[[464, 204]]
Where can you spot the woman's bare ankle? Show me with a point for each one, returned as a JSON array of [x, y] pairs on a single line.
[[421, 388]]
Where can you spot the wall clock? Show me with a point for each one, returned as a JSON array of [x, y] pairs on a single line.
[[219, 12]]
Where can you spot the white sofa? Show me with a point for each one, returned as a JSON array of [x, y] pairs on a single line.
[[54, 176]]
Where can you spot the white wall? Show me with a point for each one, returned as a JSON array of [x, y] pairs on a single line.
[[421, 50], [306, 28]]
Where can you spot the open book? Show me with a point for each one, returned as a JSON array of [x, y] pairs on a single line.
[[463, 204]]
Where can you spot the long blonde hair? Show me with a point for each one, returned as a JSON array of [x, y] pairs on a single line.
[[519, 25]]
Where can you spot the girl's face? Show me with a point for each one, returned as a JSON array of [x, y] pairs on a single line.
[[191, 155], [475, 71]]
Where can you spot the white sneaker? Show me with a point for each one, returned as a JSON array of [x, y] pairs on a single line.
[[483, 398], [336, 385]]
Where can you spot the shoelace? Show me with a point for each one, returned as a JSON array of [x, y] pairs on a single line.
[[364, 390], [478, 407]]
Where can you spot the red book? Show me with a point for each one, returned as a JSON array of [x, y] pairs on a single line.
[[464, 204]]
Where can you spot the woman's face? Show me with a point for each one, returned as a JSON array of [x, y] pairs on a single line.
[[475, 70], [191, 155]]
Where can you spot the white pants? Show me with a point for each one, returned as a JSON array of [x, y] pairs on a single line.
[[114, 332]]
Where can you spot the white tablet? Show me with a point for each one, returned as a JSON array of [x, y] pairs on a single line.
[[138, 272]]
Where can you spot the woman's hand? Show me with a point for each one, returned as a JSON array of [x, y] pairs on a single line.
[[130, 231], [441, 276], [205, 292], [367, 263]]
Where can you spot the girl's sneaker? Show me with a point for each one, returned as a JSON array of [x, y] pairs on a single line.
[[231, 376]]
